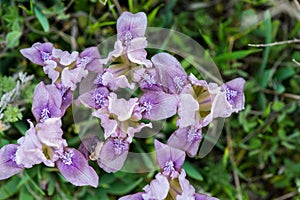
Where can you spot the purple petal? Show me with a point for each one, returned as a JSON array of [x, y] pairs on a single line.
[[204, 197], [169, 72], [158, 188], [39, 53], [97, 98], [121, 107], [113, 154], [188, 190], [8, 165], [75, 168], [46, 102], [30, 149], [235, 94], [157, 105], [90, 59], [137, 196], [66, 95], [187, 108], [169, 159], [130, 26], [70, 78], [187, 139], [147, 79]]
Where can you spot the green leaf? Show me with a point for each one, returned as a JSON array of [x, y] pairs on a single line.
[[42, 19], [12, 39], [24, 195], [278, 106], [192, 171], [235, 55], [121, 188], [153, 14], [9, 189]]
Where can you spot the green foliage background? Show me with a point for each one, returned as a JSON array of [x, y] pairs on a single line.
[[258, 154]]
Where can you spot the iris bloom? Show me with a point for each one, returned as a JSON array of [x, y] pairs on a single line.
[[170, 183]]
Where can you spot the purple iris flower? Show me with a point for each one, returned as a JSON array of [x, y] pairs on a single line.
[[46, 102], [40, 144], [131, 41], [171, 182], [8, 165], [187, 139], [170, 73], [75, 168]]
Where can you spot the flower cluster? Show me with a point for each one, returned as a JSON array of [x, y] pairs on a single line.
[[166, 91]]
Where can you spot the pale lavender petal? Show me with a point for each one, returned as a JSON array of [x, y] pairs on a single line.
[[158, 188], [118, 50], [49, 69], [50, 133], [65, 57], [75, 168], [188, 190], [30, 149], [113, 82], [187, 139], [121, 107], [39, 53], [187, 108], [109, 125], [97, 98], [169, 159], [113, 154], [135, 127], [70, 78], [137, 196], [46, 102], [148, 80], [136, 52], [130, 26], [219, 101], [8, 165], [170, 73], [157, 105], [204, 197], [235, 94]]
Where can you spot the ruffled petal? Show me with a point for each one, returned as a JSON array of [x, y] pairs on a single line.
[[109, 125], [70, 78], [158, 188], [187, 108], [188, 190], [121, 107]]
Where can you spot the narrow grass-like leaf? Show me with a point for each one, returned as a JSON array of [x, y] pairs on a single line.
[[42, 18], [192, 171], [235, 55]]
